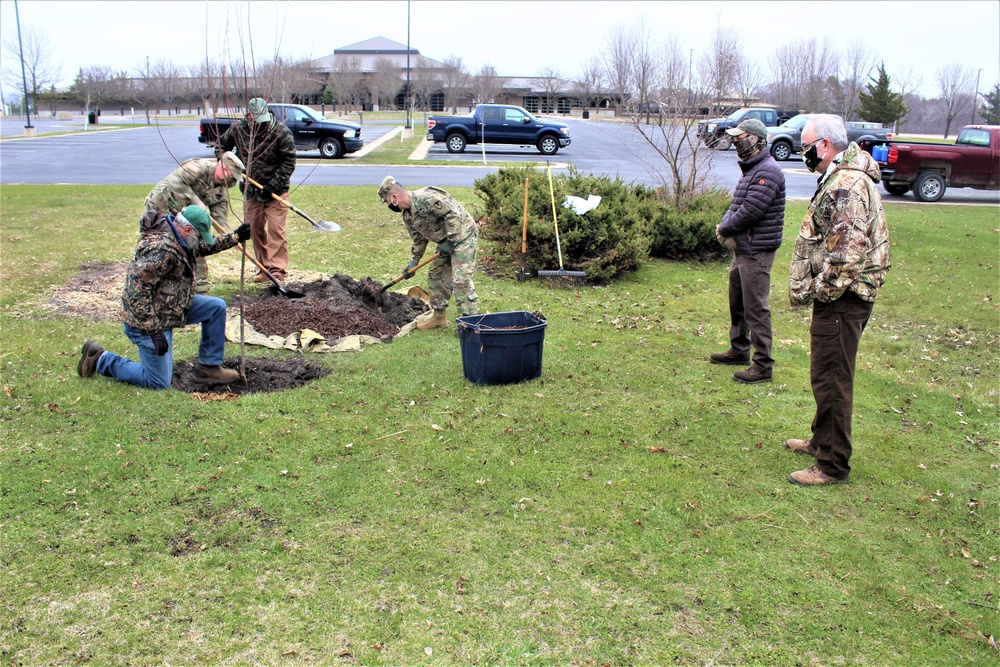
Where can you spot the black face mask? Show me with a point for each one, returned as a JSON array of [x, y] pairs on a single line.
[[747, 147], [811, 158], [394, 208]]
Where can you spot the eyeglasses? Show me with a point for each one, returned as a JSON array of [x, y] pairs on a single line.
[[806, 147]]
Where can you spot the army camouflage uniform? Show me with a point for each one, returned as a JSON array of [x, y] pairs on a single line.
[[434, 215], [839, 265], [268, 151], [193, 182]]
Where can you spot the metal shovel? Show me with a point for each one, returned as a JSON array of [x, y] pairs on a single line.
[[321, 226], [284, 291]]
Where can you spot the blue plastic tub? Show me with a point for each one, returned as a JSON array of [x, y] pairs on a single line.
[[501, 348]]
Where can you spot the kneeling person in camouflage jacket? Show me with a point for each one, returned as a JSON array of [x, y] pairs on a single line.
[[431, 214], [159, 295]]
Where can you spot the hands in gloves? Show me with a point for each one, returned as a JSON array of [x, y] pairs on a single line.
[[243, 232], [728, 242], [409, 271], [160, 345]]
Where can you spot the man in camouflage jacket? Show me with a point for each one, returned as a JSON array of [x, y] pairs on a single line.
[[431, 214], [159, 296], [839, 265], [267, 147], [203, 182]]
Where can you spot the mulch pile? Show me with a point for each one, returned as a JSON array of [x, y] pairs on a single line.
[[338, 307], [262, 376]]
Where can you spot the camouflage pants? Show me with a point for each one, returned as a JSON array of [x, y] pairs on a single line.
[[453, 273], [163, 200]]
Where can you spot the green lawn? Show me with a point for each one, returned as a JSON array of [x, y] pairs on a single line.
[[393, 513]]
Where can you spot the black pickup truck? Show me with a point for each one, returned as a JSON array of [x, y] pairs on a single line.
[[498, 124], [332, 138], [713, 131]]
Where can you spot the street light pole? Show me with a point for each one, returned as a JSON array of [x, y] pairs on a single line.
[[24, 77], [975, 98], [406, 99]]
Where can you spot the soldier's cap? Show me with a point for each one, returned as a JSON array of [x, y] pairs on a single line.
[[233, 163], [258, 108], [750, 126], [198, 218], [383, 189]]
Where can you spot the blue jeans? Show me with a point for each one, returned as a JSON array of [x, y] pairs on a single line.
[[155, 372]]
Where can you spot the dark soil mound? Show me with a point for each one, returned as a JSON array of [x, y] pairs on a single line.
[[341, 306], [263, 375]]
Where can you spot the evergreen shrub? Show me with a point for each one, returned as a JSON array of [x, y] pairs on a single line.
[[606, 242], [688, 231]]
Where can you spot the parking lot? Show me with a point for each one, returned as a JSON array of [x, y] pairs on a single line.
[[123, 150]]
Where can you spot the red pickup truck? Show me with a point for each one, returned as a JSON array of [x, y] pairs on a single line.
[[973, 161]]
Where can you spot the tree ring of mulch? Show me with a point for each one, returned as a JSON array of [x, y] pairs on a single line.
[[334, 308], [262, 376]]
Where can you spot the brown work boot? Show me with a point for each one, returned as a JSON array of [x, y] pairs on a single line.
[[91, 352], [214, 374], [801, 446], [752, 375], [436, 321], [813, 476], [730, 358], [260, 278]]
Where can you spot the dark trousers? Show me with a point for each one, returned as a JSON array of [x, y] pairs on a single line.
[[834, 337], [749, 313]]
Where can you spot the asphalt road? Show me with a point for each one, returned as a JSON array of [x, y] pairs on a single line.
[[123, 151]]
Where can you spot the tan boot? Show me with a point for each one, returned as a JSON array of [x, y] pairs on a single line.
[[214, 374], [436, 321]]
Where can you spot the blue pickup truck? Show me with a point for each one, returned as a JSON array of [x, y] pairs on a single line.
[[332, 138], [498, 124]]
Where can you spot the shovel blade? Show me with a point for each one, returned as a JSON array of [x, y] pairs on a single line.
[[326, 226]]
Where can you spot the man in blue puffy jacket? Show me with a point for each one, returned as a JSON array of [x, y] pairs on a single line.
[[752, 228]]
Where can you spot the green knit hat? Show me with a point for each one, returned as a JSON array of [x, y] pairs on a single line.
[[199, 219]]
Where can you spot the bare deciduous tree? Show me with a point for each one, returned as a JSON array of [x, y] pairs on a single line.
[[593, 82], [908, 81], [617, 58], [859, 60], [40, 68], [385, 83], [348, 82], [718, 68], [487, 84], [549, 81], [455, 79], [957, 85], [426, 80]]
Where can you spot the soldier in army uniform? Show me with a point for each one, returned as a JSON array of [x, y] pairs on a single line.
[[431, 214], [839, 265], [202, 182], [267, 147]]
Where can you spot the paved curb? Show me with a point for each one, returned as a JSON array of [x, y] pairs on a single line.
[[368, 148]]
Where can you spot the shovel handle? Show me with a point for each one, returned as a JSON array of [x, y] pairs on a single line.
[[283, 201], [401, 278], [524, 230], [219, 228]]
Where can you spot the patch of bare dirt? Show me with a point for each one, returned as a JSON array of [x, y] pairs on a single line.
[[262, 376], [338, 307], [95, 293]]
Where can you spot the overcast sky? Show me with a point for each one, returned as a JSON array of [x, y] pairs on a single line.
[[518, 37]]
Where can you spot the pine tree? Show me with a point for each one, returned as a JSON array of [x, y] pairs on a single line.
[[880, 104], [990, 111]]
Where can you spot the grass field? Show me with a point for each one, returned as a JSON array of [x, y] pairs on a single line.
[[393, 513]]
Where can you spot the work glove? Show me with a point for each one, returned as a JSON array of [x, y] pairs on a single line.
[[727, 242], [446, 247], [268, 190], [410, 270], [243, 232], [160, 345]]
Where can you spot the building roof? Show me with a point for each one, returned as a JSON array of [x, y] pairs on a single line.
[[366, 56]]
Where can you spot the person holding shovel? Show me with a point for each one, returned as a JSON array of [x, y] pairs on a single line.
[[159, 295], [203, 182], [268, 150], [431, 214]]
